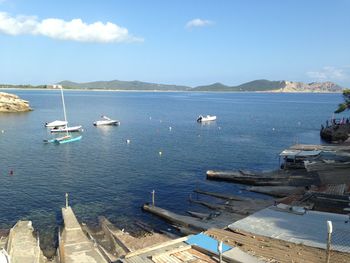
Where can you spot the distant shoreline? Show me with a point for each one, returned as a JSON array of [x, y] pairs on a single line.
[[176, 91]]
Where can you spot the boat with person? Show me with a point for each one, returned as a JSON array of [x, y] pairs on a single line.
[[68, 137], [202, 118], [106, 121]]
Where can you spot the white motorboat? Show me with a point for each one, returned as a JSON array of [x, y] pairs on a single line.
[[106, 121], [55, 124], [206, 118], [66, 129]]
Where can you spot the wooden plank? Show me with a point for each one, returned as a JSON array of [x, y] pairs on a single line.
[[220, 195], [187, 221], [198, 215], [173, 251], [159, 246]]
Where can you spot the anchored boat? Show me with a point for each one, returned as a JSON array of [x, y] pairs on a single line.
[[106, 121], [206, 118], [66, 129], [67, 138], [55, 124]]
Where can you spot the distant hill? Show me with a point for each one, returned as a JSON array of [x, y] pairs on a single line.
[[264, 85], [261, 85], [122, 85]]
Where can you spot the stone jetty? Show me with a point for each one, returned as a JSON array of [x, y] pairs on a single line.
[[74, 245], [22, 245], [12, 103]]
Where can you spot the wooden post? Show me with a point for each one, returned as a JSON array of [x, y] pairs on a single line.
[[329, 230], [153, 192], [67, 200], [220, 251]]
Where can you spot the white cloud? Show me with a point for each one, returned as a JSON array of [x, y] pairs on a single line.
[[329, 73], [198, 23], [75, 30]]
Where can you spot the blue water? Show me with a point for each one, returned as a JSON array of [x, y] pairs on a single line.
[[106, 176]]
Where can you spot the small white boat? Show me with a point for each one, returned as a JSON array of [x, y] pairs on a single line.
[[56, 123], [206, 118], [66, 129], [106, 121]]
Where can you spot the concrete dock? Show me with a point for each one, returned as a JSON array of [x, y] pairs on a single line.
[[23, 246], [74, 245]]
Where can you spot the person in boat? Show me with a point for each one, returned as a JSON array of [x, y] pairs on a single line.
[[200, 118]]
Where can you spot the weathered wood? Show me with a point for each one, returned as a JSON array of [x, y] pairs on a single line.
[[209, 205], [247, 179], [113, 233], [277, 191], [198, 215], [181, 220], [185, 230], [228, 208], [173, 251], [169, 234], [144, 226], [220, 195], [159, 246]]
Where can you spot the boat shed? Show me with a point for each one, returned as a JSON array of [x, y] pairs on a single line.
[[295, 158]]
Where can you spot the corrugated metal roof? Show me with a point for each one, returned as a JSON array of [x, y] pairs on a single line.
[[309, 228], [298, 153]]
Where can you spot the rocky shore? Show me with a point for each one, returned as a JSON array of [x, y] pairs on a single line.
[[12, 103]]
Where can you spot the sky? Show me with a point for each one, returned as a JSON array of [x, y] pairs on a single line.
[[183, 42]]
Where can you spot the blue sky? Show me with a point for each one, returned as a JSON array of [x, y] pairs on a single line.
[[185, 42]]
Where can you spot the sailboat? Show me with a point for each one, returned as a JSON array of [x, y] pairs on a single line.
[[67, 138]]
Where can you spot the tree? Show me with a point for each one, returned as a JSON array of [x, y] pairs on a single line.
[[346, 104]]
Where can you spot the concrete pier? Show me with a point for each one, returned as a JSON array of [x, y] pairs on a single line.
[[74, 246], [23, 246]]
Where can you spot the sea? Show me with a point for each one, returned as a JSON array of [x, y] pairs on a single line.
[[168, 151]]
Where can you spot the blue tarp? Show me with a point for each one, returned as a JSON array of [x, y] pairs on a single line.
[[207, 243]]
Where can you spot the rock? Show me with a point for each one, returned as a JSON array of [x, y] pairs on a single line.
[[335, 133], [324, 87], [12, 103]]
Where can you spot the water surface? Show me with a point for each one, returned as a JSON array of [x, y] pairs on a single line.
[[106, 176]]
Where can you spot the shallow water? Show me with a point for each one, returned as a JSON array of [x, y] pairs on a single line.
[[106, 176]]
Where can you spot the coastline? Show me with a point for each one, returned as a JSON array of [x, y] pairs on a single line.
[[178, 91]]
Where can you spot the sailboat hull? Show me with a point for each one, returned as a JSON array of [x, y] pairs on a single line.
[[67, 129], [72, 139]]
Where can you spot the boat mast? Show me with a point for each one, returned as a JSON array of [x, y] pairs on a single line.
[[64, 108]]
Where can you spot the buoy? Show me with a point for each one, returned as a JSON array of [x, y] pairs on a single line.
[[150, 118], [128, 141], [2, 131], [160, 153], [273, 129], [170, 128], [219, 128]]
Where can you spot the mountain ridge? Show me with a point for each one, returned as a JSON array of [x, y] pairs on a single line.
[[260, 85]]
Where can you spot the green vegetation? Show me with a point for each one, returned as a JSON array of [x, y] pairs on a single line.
[[6, 86], [346, 104], [122, 85], [256, 85]]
